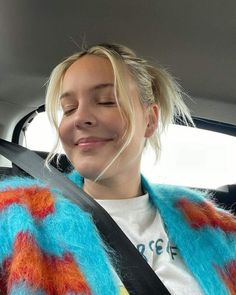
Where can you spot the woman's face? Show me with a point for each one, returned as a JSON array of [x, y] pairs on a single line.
[[92, 128]]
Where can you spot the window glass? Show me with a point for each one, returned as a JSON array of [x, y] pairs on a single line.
[[39, 135], [190, 156], [193, 157]]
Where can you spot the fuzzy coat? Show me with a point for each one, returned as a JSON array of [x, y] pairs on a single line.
[[48, 245]]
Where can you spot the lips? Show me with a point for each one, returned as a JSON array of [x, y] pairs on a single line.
[[91, 142]]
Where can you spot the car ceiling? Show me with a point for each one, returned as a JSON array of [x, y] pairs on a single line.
[[195, 40]]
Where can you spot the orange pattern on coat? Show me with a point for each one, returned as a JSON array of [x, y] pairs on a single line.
[[52, 274], [38, 201], [204, 214]]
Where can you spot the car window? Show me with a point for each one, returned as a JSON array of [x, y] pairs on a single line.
[[209, 157]]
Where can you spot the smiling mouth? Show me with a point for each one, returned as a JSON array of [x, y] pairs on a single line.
[[93, 143]]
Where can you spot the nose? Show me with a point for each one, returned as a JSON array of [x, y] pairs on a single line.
[[84, 117]]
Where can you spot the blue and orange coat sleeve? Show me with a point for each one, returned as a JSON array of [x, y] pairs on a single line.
[[205, 214], [25, 261]]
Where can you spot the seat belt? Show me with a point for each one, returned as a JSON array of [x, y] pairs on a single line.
[[136, 274]]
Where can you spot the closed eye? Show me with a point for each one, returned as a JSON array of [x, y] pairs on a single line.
[[108, 103], [67, 112]]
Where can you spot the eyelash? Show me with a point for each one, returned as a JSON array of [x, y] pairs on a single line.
[[67, 112], [107, 103]]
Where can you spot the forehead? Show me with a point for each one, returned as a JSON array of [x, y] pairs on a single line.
[[89, 69]]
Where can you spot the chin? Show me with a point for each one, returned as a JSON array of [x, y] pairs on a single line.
[[90, 173], [90, 168]]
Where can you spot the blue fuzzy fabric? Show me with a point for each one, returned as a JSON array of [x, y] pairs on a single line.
[[201, 249], [16, 182], [69, 229], [72, 230], [22, 288]]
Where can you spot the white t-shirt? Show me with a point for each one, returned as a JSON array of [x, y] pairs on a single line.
[[142, 223]]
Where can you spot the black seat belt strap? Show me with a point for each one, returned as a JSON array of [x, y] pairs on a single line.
[[136, 274]]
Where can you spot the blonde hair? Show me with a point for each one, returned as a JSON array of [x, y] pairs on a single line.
[[155, 86]]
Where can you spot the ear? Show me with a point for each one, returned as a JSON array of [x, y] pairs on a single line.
[[152, 120]]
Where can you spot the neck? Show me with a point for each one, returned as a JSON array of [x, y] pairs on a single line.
[[114, 188]]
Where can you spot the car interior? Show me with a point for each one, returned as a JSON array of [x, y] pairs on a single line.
[[194, 40]]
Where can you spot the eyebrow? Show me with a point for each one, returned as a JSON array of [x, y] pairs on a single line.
[[96, 87], [103, 85]]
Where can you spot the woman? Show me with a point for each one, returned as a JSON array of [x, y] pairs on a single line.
[[113, 103]]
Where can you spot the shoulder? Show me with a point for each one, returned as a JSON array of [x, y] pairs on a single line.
[[29, 205], [28, 193], [172, 193], [36, 199], [15, 182], [196, 207]]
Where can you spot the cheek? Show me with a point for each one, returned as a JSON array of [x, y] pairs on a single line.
[[119, 122], [65, 131]]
